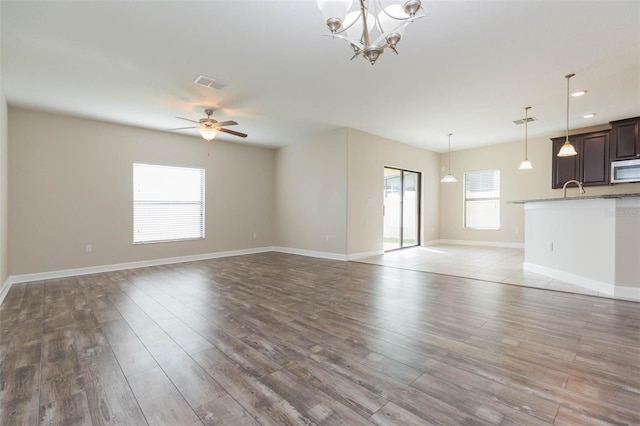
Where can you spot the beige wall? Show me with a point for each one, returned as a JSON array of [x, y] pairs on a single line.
[[515, 185], [311, 194], [71, 185], [4, 192], [329, 191], [368, 155]]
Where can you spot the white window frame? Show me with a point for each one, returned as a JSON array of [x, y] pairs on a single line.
[[489, 199], [168, 203]]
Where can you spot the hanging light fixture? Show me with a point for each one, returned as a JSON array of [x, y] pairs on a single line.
[[448, 178], [526, 164], [385, 25], [567, 150]]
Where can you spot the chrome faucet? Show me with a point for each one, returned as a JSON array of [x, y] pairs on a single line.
[[564, 187]]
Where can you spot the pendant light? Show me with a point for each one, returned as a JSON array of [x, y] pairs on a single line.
[[448, 178], [567, 150], [526, 164]]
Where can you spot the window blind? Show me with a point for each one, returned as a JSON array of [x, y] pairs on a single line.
[[168, 203], [482, 199]]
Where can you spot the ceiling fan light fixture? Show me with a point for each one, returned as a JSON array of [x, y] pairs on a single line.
[[208, 132], [209, 128]]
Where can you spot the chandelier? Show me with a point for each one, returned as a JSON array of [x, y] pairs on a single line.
[[370, 21]]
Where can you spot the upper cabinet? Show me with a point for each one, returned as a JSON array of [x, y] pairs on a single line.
[[625, 139], [591, 166]]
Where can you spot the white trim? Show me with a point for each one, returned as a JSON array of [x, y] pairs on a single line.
[[365, 254], [4, 289], [627, 293], [431, 243], [310, 253], [568, 277], [608, 289], [483, 243], [131, 265]]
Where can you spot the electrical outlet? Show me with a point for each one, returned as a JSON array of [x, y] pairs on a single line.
[[88, 248], [326, 237], [517, 230], [255, 235], [550, 245]]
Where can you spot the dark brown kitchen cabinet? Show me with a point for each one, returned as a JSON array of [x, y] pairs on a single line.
[[590, 166], [625, 139], [564, 168]]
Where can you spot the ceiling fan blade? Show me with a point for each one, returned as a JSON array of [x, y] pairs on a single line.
[[231, 132], [188, 119], [183, 128], [227, 123]]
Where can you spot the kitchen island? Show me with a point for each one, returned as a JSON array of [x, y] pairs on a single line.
[[589, 241]]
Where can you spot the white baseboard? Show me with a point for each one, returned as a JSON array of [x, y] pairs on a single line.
[[585, 282], [627, 293], [311, 253], [568, 277], [4, 289], [131, 265], [482, 243], [362, 255]]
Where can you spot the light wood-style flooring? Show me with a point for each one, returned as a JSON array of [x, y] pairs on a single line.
[[279, 339]]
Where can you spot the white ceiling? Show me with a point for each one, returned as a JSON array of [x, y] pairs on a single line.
[[469, 67]]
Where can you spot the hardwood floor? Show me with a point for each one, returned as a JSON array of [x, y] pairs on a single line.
[[278, 339]]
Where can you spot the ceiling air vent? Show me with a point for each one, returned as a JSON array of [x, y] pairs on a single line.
[[522, 120], [209, 82]]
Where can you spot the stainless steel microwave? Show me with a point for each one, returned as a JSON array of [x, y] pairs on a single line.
[[625, 171]]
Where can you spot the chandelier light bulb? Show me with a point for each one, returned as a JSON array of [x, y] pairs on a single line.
[[334, 12]]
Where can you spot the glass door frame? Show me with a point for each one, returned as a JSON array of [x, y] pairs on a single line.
[[418, 209]]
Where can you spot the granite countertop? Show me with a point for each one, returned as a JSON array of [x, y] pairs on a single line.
[[584, 197]]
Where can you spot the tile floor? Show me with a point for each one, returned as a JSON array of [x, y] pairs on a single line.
[[496, 264]]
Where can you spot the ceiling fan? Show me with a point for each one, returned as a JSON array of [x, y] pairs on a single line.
[[209, 128]]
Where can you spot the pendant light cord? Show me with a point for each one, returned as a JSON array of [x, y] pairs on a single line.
[[526, 134], [568, 76], [449, 135]]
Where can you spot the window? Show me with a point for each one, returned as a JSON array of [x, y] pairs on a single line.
[[482, 200], [168, 203]]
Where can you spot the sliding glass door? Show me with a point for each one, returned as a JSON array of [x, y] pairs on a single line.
[[401, 208]]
